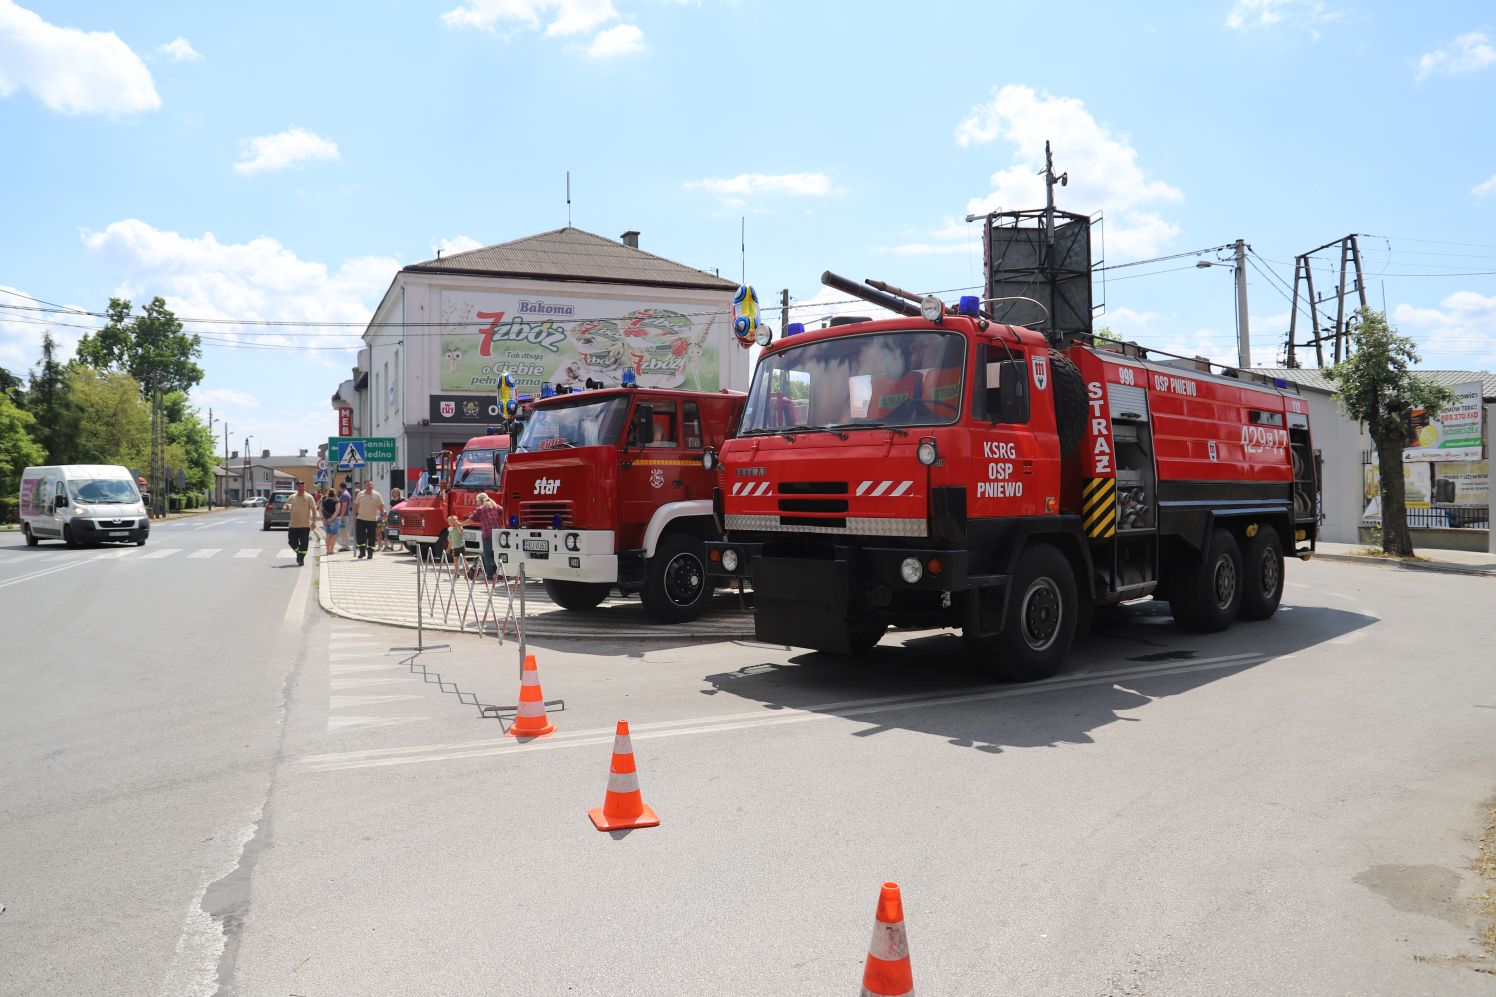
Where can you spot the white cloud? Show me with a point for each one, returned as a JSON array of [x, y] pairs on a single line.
[[1485, 188], [792, 184], [1103, 169], [21, 332], [1303, 14], [1466, 54], [622, 39], [277, 152], [180, 50], [1459, 334], [71, 71], [564, 17], [953, 237], [224, 396], [461, 244], [260, 279]]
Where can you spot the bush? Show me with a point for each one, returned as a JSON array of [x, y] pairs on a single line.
[[10, 510], [178, 503]]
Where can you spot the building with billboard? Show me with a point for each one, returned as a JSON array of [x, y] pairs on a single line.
[[557, 308]]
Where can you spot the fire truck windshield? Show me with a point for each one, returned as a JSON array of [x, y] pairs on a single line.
[[475, 471], [879, 379], [580, 424]]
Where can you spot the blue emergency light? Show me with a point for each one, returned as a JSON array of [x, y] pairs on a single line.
[[546, 391], [514, 522], [794, 328], [556, 521], [629, 379], [970, 305]]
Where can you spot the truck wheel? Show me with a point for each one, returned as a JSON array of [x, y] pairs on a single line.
[[577, 596], [1069, 401], [410, 548], [675, 585], [1262, 575], [31, 540], [1206, 592], [1041, 618], [863, 637]]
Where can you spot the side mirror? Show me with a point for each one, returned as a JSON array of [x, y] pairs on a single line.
[[643, 425], [431, 466], [60, 501]]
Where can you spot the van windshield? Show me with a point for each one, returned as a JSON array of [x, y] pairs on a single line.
[[104, 491]]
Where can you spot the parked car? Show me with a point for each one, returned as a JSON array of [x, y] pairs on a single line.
[[253, 502], [278, 510]]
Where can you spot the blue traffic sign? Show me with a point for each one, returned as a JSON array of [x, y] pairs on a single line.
[[351, 455]]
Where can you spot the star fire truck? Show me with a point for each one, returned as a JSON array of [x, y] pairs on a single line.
[[942, 469], [606, 489]]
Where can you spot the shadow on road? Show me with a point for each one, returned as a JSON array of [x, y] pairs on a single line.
[[1130, 660]]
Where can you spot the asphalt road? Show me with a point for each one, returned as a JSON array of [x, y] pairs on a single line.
[[205, 782]]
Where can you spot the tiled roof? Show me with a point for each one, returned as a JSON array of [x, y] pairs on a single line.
[[1315, 377], [572, 254]]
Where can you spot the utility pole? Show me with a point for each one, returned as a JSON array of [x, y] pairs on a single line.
[[784, 311], [1243, 331], [1337, 332], [244, 475], [225, 476], [210, 436]]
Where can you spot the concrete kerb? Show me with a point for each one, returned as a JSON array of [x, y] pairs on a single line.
[[1436, 567], [555, 623]]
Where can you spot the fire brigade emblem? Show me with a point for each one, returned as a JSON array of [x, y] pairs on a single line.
[[470, 409], [657, 477], [449, 409], [1041, 371]]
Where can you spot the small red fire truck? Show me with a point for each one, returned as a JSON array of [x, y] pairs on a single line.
[[945, 470], [606, 490], [454, 487]]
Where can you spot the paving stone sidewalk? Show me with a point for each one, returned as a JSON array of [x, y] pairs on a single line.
[[382, 589]]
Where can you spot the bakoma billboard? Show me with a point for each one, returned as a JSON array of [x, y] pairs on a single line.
[[566, 341]]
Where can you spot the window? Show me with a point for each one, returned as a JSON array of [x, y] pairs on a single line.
[[1005, 394], [691, 423]]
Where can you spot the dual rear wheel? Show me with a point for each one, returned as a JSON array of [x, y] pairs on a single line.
[[1228, 580]]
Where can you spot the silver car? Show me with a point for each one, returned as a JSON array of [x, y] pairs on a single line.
[[278, 510]]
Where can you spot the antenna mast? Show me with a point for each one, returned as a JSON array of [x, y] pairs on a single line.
[[568, 198]]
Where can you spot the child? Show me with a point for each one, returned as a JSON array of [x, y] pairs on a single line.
[[455, 542]]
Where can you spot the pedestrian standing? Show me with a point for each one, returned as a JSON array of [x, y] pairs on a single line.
[[330, 519], [489, 517], [303, 516], [455, 542], [368, 509], [345, 514], [396, 497]]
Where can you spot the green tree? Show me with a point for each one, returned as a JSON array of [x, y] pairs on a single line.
[[1376, 387], [50, 400], [11, 386], [152, 348], [118, 421], [189, 442], [18, 450]]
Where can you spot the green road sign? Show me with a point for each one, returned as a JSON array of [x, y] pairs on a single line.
[[375, 449]]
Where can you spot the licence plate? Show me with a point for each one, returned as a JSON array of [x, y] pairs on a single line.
[[119, 533], [393, 534], [540, 548]]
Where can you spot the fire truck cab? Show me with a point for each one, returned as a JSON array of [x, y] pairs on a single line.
[[606, 489], [950, 471]]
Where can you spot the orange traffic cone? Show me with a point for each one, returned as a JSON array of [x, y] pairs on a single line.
[[532, 720], [887, 973], [623, 807]]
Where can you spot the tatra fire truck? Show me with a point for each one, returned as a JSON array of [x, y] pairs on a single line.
[[454, 487], [941, 469], [606, 489]]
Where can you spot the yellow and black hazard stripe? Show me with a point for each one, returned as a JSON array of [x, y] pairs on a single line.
[[1098, 508]]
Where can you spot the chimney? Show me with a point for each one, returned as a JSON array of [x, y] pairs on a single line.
[[630, 239], [234, 456], [264, 453], [303, 453]]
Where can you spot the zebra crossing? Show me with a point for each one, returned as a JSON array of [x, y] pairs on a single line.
[[363, 680], [154, 553]]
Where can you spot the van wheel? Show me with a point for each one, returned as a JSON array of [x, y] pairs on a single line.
[[1262, 575], [67, 535], [31, 540], [140, 543], [1205, 593], [577, 596], [1041, 619], [675, 585]]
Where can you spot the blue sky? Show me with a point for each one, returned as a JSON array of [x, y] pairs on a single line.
[[282, 161]]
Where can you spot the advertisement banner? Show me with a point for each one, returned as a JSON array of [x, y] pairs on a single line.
[[568, 340], [1417, 488], [1453, 434], [1463, 483]]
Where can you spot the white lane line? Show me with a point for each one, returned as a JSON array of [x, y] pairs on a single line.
[[110, 555], [248, 552], [350, 669], [344, 702], [297, 606], [358, 683], [205, 552], [41, 574], [381, 757], [347, 723], [285, 555], [160, 552]]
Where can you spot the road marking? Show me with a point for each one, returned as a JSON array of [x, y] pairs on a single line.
[[248, 552], [769, 716], [347, 723], [358, 683], [285, 555], [161, 552], [350, 669], [41, 574], [344, 702], [205, 552], [296, 608]]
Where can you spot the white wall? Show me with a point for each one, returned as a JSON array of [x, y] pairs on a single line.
[[1341, 441]]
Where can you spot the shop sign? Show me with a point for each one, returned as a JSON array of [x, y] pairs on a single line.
[[1454, 434]]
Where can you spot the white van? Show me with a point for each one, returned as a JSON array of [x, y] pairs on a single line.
[[81, 504]]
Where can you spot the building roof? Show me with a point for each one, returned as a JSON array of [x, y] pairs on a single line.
[[575, 255], [1314, 377]]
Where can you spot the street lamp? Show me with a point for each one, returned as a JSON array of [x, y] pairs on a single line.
[[244, 474], [1243, 333]]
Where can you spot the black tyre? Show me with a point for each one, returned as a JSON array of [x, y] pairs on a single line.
[[675, 585], [1206, 591], [577, 596], [140, 543], [1069, 401], [31, 538], [1262, 575], [863, 637], [410, 548], [1041, 619], [67, 536], [265, 526]]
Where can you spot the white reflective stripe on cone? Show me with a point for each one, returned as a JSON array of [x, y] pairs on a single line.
[[530, 677], [535, 709], [623, 782], [868, 993], [622, 745], [889, 943]]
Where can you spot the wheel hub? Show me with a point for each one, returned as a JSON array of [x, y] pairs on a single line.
[[1225, 582], [1041, 614], [684, 579], [1270, 573]]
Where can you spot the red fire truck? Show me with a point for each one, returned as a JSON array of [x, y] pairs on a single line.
[[606, 490], [453, 490], [944, 470]]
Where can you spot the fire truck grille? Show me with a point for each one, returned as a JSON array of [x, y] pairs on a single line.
[[813, 488], [541, 515], [813, 505], [853, 525]]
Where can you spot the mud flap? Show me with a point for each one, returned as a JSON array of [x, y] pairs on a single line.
[[801, 603]]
